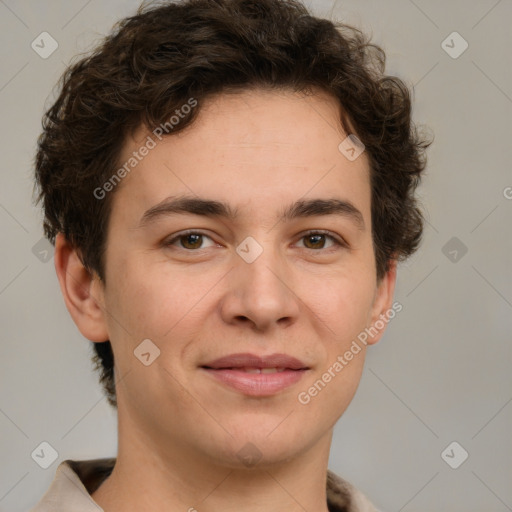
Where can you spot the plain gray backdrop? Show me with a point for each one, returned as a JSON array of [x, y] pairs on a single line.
[[442, 372]]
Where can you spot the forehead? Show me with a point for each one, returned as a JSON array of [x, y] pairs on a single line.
[[257, 143]]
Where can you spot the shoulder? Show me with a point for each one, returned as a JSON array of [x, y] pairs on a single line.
[[71, 488], [342, 496]]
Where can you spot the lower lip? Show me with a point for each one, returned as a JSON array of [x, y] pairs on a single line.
[[257, 384]]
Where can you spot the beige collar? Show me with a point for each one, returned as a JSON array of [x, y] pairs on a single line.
[[75, 481]]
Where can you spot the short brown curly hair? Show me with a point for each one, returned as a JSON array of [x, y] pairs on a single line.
[[154, 61]]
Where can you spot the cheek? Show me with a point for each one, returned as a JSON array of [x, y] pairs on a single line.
[[145, 300], [344, 301], [345, 309]]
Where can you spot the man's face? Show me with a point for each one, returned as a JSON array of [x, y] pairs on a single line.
[[215, 292]]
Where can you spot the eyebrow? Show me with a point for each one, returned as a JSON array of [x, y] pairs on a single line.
[[218, 209]]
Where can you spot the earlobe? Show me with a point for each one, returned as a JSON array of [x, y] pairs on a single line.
[[382, 304], [81, 291]]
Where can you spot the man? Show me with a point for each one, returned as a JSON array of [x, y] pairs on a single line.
[[229, 185]]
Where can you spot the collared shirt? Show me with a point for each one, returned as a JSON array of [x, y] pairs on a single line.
[[75, 481]]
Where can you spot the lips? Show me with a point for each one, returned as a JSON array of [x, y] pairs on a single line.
[[240, 361], [257, 375]]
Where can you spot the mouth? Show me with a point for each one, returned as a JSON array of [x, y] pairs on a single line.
[[253, 370], [257, 375]]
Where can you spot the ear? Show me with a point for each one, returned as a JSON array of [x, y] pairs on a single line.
[[382, 305], [83, 293]]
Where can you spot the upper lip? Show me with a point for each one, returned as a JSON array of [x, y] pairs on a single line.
[[247, 360]]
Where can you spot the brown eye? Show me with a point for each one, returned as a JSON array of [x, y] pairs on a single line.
[[316, 240], [191, 241]]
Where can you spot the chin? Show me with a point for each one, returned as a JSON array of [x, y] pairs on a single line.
[[264, 444]]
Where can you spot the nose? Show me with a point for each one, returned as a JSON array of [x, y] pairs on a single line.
[[260, 294]]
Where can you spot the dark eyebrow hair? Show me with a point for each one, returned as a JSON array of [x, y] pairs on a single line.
[[211, 208]]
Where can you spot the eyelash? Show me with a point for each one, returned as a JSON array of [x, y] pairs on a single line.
[[338, 241]]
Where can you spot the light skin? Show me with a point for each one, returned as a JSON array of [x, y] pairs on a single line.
[[180, 430]]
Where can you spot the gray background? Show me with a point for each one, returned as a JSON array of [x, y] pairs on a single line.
[[442, 372]]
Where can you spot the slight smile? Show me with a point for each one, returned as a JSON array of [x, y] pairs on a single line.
[[257, 375]]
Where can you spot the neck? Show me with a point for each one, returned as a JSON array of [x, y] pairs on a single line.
[[149, 478]]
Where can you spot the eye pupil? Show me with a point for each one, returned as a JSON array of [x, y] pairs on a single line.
[[193, 236], [317, 237]]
